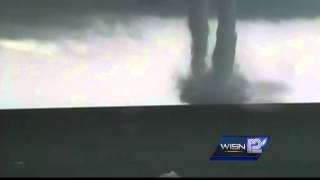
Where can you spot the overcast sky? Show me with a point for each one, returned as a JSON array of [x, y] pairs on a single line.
[[115, 53]]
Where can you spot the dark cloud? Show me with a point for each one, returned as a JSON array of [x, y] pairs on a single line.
[[275, 9], [246, 8], [47, 18]]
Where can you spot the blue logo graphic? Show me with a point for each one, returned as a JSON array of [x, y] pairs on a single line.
[[240, 148]]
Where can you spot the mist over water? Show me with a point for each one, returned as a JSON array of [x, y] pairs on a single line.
[[111, 62]]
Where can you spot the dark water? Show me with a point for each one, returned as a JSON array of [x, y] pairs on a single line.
[[149, 141]]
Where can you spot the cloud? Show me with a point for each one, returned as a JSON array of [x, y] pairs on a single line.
[[116, 63], [28, 46], [284, 52], [137, 65]]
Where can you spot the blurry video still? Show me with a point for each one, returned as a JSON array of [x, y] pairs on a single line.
[[159, 88]]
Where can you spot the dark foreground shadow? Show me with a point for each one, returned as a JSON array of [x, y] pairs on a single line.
[[149, 141]]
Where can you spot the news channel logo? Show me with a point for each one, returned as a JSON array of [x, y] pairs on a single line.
[[240, 148]]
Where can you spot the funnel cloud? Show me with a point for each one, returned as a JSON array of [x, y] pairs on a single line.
[[220, 84]]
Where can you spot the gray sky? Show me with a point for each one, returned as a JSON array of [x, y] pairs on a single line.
[[62, 53]]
